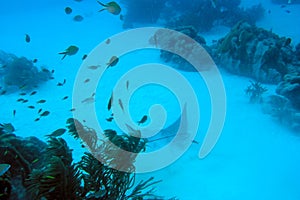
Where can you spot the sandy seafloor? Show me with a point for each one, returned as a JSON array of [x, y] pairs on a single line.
[[255, 158]]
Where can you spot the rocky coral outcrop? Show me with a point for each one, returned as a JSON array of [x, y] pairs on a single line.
[[290, 88], [257, 53], [16, 73], [182, 47]]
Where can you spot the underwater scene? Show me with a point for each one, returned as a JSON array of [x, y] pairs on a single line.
[[150, 99]]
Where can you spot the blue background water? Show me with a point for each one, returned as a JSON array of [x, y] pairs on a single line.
[[255, 158]]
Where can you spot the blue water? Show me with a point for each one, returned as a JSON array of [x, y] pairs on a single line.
[[255, 157]]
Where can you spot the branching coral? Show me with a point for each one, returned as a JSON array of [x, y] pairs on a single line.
[[255, 91]]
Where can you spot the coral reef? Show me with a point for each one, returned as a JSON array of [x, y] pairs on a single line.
[[290, 88], [285, 1], [256, 53], [47, 171], [20, 73], [202, 15], [182, 45]]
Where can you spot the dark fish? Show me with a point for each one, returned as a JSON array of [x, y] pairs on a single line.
[[27, 38], [288, 42], [25, 101], [52, 71], [37, 119], [88, 100], [127, 84], [45, 113], [22, 93], [144, 118], [70, 51], [65, 98], [86, 80], [109, 119], [31, 107], [288, 11], [64, 82], [60, 84], [40, 110], [72, 109], [78, 18], [121, 104], [110, 102], [282, 6], [84, 57], [57, 133], [107, 41], [19, 100], [113, 61], [94, 66], [14, 113], [41, 101], [3, 92], [35, 60], [68, 10], [33, 93]]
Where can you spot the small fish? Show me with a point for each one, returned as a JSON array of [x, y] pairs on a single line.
[[14, 113], [70, 51], [68, 10], [121, 17], [7, 127], [87, 80], [33, 93], [88, 100], [64, 82], [40, 110], [27, 38], [60, 84], [84, 57], [144, 118], [31, 107], [21, 99], [121, 104], [45, 113], [287, 11], [127, 85], [52, 71], [110, 102], [109, 119], [111, 7], [78, 18], [94, 67], [65, 98], [3, 92], [35, 60], [35, 161], [4, 168], [107, 41], [25, 101], [72, 109], [37, 119], [22, 93], [283, 6], [41, 101], [113, 61], [50, 177], [57, 133]]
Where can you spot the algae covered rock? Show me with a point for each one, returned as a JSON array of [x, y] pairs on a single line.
[[257, 53], [290, 88]]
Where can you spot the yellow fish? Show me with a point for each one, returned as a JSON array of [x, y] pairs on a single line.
[[111, 7]]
